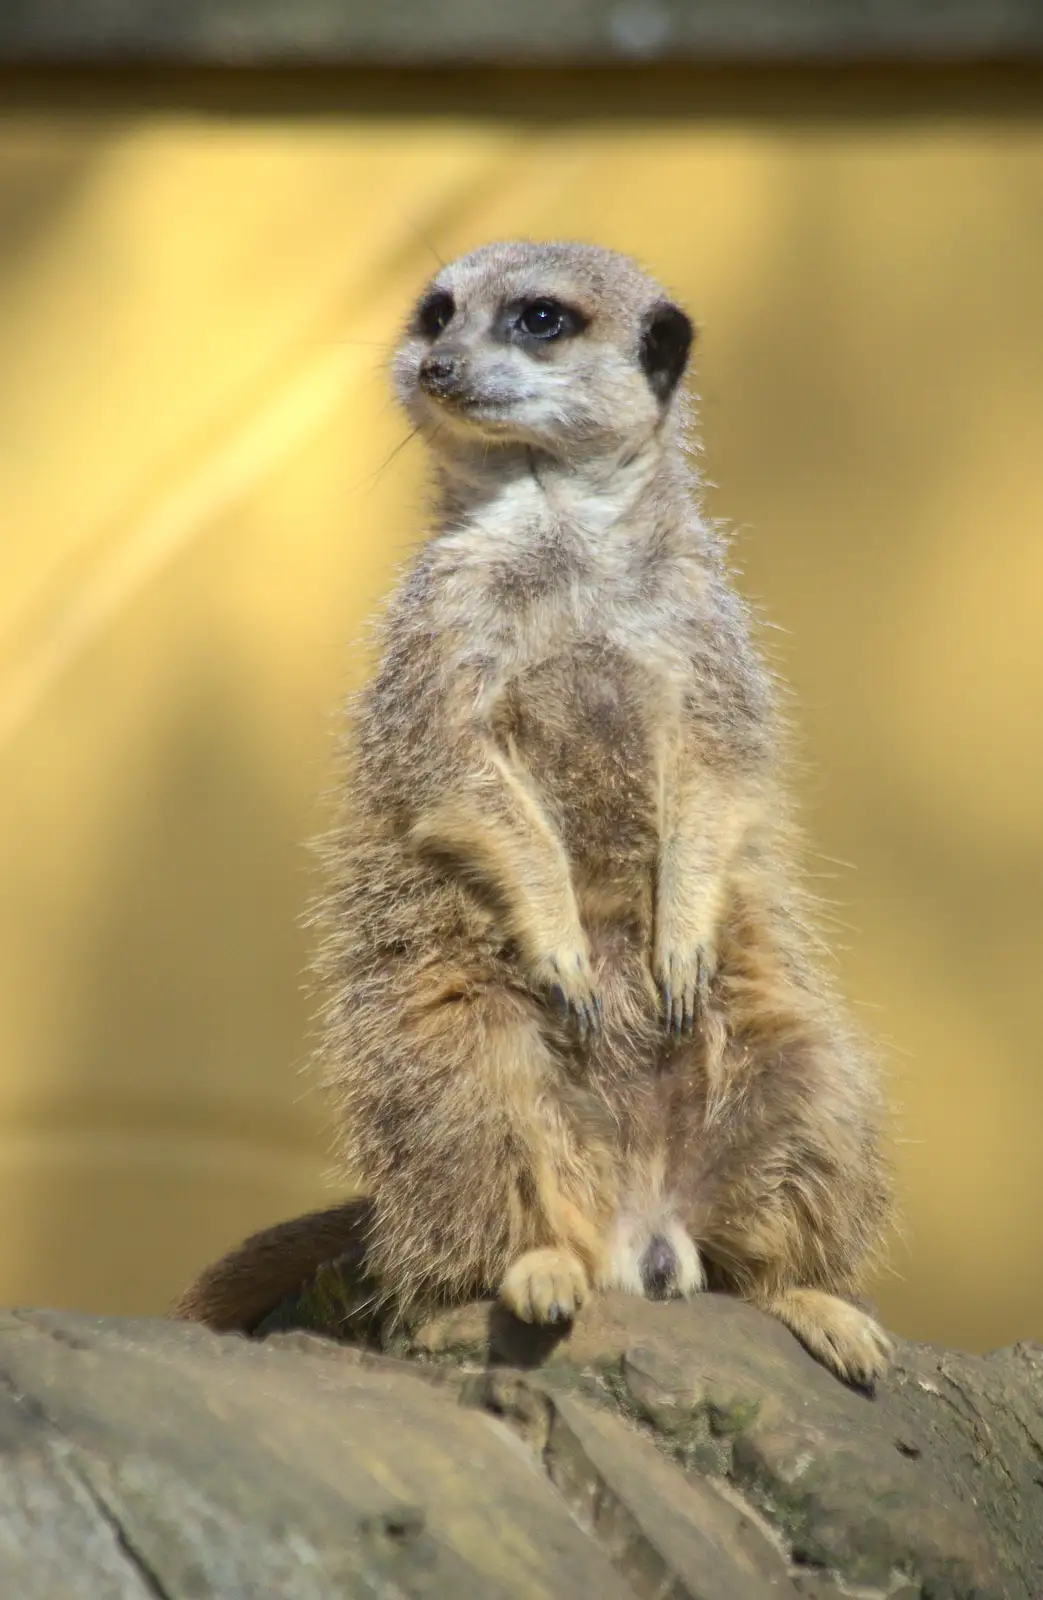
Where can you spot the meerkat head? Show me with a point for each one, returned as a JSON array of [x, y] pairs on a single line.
[[558, 347]]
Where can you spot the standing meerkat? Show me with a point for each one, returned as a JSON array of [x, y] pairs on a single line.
[[576, 1033]]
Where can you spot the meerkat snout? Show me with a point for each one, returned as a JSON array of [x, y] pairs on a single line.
[[441, 374]]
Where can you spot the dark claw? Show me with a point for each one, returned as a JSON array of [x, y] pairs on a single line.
[[585, 1016], [681, 1011], [554, 1312]]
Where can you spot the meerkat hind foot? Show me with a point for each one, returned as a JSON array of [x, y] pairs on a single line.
[[544, 1286], [846, 1340]]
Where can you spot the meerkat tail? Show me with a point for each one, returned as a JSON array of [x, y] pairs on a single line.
[[234, 1293]]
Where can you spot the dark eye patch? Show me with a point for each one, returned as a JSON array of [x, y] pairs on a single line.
[[434, 314]]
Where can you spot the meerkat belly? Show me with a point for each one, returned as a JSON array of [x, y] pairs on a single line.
[[580, 724]]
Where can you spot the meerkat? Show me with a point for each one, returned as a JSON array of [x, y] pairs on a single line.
[[577, 1032]]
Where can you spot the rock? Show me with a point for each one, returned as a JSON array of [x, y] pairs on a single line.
[[667, 1451]]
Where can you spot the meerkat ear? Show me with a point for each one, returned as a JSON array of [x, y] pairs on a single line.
[[666, 339]]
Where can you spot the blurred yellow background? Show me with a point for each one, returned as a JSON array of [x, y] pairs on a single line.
[[198, 283]]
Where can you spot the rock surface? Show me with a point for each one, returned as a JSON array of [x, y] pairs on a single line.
[[666, 1451]]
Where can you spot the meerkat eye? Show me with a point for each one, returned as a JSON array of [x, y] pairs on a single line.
[[435, 314], [549, 319]]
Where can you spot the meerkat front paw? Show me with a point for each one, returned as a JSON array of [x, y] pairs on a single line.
[[684, 980], [845, 1339], [545, 1286], [568, 977]]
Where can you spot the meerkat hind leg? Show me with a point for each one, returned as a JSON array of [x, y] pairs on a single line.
[[546, 1285], [845, 1339]]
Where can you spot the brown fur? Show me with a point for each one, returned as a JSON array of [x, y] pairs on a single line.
[[233, 1294], [563, 786]]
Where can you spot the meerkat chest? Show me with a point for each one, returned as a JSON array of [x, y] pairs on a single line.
[[582, 721], [581, 676]]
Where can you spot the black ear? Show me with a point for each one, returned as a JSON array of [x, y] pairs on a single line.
[[666, 339]]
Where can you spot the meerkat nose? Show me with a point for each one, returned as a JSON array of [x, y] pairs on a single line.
[[658, 1268], [440, 374]]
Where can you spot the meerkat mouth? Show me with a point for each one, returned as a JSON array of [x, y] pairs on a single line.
[[480, 416], [468, 399], [481, 407]]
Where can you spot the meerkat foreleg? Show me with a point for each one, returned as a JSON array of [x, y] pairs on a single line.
[[493, 824], [704, 827]]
